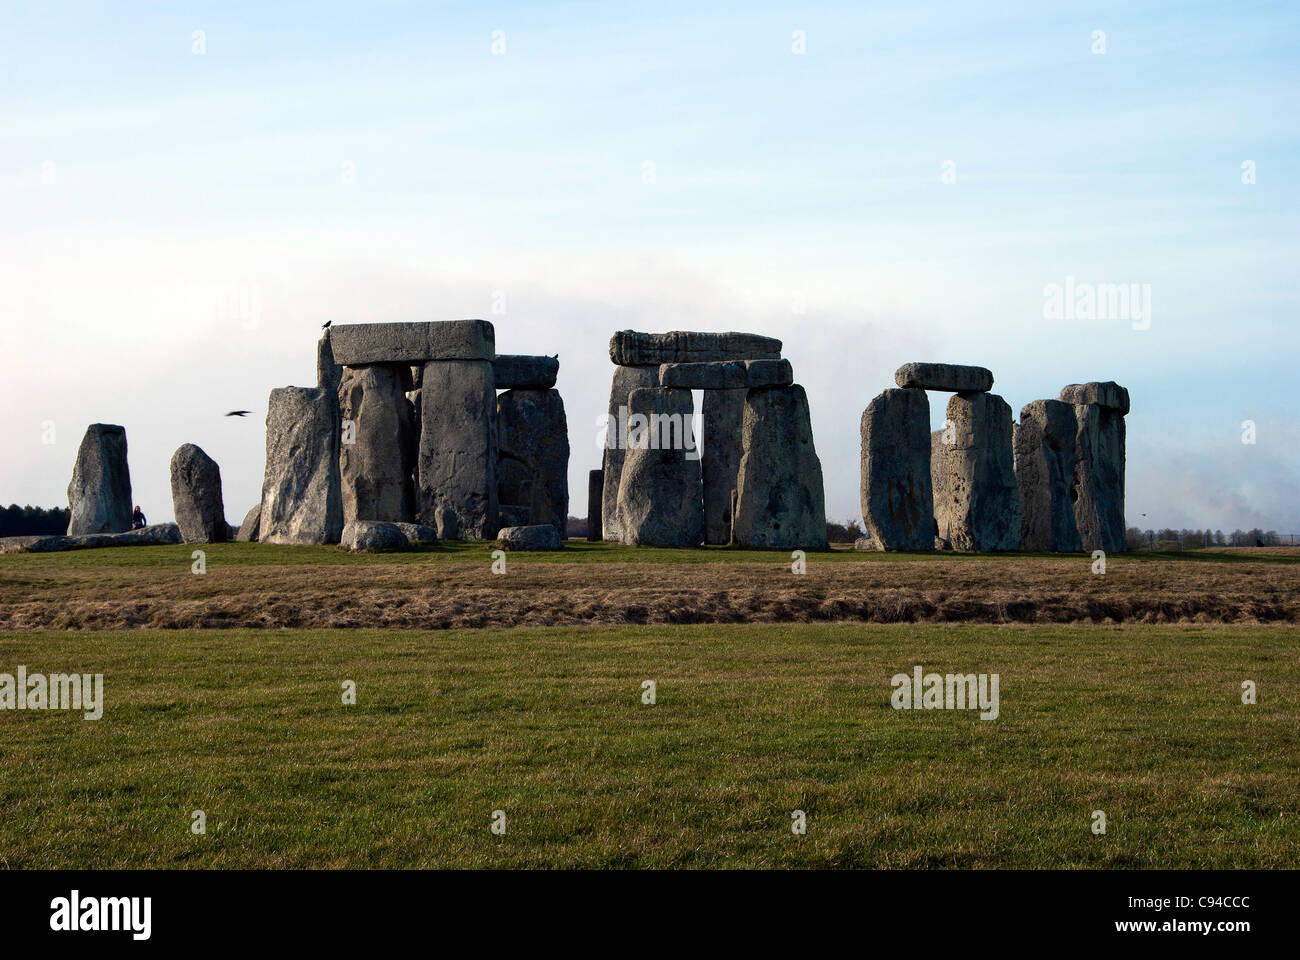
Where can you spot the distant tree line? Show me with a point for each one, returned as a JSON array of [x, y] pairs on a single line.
[[16, 521], [1170, 539]]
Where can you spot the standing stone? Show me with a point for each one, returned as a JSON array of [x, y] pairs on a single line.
[[983, 496], [1098, 487], [660, 499], [939, 483], [723, 417], [595, 491], [1107, 394], [99, 496], [626, 379], [328, 373], [301, 500], [376, 467], [196, 496], [780, 501], [1044, 448], [458, 450], [897, 496], [533, 442], [248, 529]]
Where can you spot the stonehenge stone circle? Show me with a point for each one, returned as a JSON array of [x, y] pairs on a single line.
[[542, 536], [780, 501], [983, 498], [376, 468], [457, 493], [533, 448], [949, 377], [99, 496], [196, 496], [249, 528], [301, 499], [1108, 394], [595, 491], [896, 491], [626, 379], [629, 348], [660, 496], [723, 426], [1098, 487], [359, 344], [1044, 461], [512, 371]]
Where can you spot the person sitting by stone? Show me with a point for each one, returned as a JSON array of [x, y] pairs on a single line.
[[137, 519]]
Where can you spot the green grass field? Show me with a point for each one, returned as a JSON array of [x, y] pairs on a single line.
[[752, 722]]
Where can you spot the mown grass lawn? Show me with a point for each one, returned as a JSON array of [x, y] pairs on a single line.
[[751, 723]]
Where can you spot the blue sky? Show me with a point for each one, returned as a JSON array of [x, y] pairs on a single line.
[[378, 161]]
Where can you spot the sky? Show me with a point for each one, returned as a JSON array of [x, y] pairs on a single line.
[[189, 190]]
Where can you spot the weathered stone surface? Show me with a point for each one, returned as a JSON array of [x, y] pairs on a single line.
[[358, 344], [730, 375], [160, 534], [626, 379], [248, 529], [660, 499], [533, 442], [328, 373], [629, 348], [595, 491], [1044, 449], [376, 468], [1107, 394], [458, 450], [726, 375], [99, 496], [780, 501], [541, 536], [301, 498], [864, 543], [952, 377], [983, 506], [896, 491], [1098, 487], [512, 515], [723, 419], [416, 533], [196, 496], [513, 371], [372, 536], [417, 376], [939, 486]]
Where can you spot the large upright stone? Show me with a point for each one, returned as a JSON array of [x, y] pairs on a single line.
[[630, 348], [595, 491], [660, 502], [1044, 450], [301, 499], [248, 530], [626, 379], [1108, 394], [983, 496], [897, 496], [939, 483], [723, 422], [358, 344], [328, 373], [780, 501], [376, 467], [458, 450], [196, 496], [99, 496], [513, 371], [533, 442], [952, 377], [1098, 487]]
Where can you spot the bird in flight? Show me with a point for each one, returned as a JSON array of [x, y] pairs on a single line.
[[326, 324], [238, 413]]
